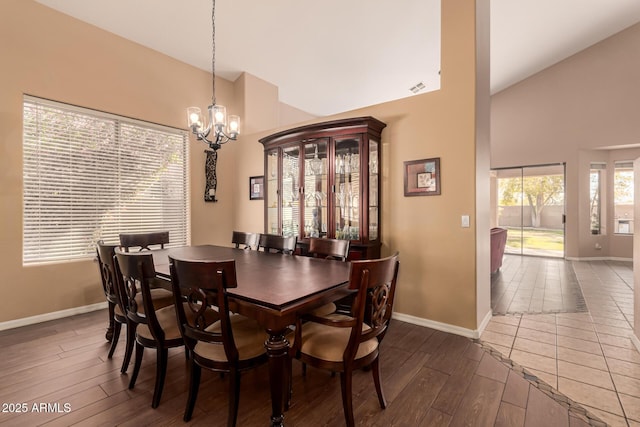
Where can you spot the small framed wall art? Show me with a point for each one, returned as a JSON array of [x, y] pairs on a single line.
[[256, 187], [422, 177]]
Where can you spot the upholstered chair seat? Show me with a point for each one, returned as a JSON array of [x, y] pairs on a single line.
[[249, 338]]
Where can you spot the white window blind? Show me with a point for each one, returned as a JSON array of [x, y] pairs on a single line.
[[90, 175]]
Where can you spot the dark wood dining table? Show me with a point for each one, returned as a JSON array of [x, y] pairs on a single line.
[[272, 289]]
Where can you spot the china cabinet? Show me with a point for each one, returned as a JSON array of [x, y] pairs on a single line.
[[322, 181]]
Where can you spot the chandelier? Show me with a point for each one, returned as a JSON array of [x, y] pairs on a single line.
[[219, 129]]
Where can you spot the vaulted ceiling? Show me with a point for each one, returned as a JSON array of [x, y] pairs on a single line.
[[336, 55]]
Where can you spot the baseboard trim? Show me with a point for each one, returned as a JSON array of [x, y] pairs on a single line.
[[25, 321], [484, 323], [444, 327], [635, 341], [603, 258]]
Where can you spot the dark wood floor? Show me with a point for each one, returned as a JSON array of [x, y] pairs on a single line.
[[430, 378]]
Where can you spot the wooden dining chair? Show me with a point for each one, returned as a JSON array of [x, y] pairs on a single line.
[[232, 344], [117, 317], [278, 244], [342, 343], [143, 241], [154, 328], [335, 249], [249, 241], [161, 298]]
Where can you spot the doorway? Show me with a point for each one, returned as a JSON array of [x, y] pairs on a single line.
[[529, 203]]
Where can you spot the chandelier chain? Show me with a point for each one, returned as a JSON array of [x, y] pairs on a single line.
[[213, 52]]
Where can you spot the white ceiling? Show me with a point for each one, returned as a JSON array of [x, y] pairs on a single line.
[[337, 55]]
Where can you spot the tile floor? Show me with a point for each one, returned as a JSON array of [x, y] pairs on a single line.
[[587, 356]]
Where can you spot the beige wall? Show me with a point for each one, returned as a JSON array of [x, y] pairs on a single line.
[[66, 60], [438, 258], [588, 101]]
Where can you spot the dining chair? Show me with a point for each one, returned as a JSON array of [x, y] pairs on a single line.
[[154, 328], [277, 244], [335, 249], [117, 318], [143, 240], [232, 344], [248, 240], [161, 298], [341, 343]]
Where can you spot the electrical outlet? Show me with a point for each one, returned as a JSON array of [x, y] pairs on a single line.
[[465, 221], [598, 246]]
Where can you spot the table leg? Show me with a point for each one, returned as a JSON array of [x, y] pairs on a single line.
[[278, 352]]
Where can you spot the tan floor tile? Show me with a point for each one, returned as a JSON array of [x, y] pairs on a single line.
[[544, 318], [548, 378], [538, 326], [577, 333], [504, 351], [627, 385], [609, 418], [534, 361], [633, 423], [612, 330], [631, 405], [536, 347], [507, 320], [624, 342], [581, 345], [497, 338], [611, 322], [582, 358], [585, 374], [623, 367], [582, 317], [574, 323], [630, 355], [539, 336], [501, 328], [596, 397], [610, 314]]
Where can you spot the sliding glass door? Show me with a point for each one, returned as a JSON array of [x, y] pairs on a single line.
[[530, 205]]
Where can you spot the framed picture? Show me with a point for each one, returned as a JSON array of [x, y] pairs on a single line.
[[422, 177], [256, 187]]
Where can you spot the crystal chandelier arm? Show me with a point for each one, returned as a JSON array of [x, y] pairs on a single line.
[[217, 113]]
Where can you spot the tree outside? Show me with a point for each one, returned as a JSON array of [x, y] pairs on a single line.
[[534, 191]]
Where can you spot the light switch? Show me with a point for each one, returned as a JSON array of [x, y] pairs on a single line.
[[465, 221]]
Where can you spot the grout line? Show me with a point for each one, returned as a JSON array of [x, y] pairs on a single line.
[[606, 361]]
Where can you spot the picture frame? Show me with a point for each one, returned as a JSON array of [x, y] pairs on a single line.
[[256, 187], [422, 177]]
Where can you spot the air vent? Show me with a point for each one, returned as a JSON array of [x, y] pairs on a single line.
[[417, 88]]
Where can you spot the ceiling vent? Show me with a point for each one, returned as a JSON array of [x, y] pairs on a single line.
[[417, 88]]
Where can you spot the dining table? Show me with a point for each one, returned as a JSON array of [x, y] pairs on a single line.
[[273, 289]]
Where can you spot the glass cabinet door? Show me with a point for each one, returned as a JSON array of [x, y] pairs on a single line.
[[291, 191], [347, 188], [272, 191], [374, 189], [315, 188]]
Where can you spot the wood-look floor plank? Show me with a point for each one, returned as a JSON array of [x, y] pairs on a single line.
[[544, 411], [430, 378], [456, 386], [435, 418], [480, 403], [510, 416], [411, 406]]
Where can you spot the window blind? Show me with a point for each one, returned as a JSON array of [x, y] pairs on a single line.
[[90, 175]]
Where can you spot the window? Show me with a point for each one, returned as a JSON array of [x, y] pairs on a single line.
[[623, 197], [90, 175], [596, 178]]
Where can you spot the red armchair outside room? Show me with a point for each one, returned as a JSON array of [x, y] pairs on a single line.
[[498, 242]]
